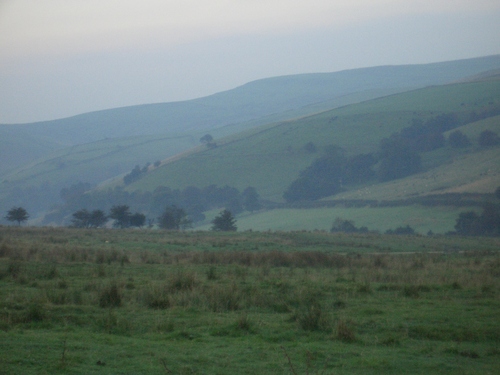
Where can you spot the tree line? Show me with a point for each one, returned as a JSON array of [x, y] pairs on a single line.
[[172, 218], [192, 200]]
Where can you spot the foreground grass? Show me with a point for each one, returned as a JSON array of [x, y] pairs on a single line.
[[150, 302]]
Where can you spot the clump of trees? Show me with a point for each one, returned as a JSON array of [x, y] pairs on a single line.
[[470, 223], [346, 226], [136, 174], [398, 156], [85, 219], [397, 159], [406, 230], [328, 174], [121, 216]]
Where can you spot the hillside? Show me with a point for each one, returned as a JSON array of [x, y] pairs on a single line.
[[271, 157]]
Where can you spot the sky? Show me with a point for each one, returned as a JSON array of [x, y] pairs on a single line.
[[60, 58]]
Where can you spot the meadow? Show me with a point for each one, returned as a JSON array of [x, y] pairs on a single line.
[[76, 301]]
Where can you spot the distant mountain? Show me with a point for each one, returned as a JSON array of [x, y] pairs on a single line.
[[251, 101]]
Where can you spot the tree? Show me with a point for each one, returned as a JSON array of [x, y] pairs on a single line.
[[208, 140], [487, 224], [81, 219], [397, 160], [310, 148], [488, 138], [321, 179], [457, 139], [137, 220], [18, 214], [173, 218], [234, 205], [225, 222], [98, 218], [251, 199], [85, 219], [468, 223], [342, 225], [121, 216]]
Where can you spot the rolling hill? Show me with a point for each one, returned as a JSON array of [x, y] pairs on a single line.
[[260, 128], [271, 157], [252, 104]]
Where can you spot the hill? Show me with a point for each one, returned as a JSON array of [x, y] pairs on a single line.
[[271, 157], [36, 183], [251, 101], [254, 103]]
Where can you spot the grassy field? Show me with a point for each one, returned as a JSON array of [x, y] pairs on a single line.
[[152, 302], [422, 219]]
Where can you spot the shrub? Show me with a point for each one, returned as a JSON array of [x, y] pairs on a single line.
[[182, 280], [457, 139], [220, 298], [411, 291], [110, 296], [312, 318], [156, 298], [34, 313], [211, 273], [344, 332], [15, 269], [488, 138], [244, 323]]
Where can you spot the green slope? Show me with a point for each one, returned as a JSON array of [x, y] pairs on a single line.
[[94, 162], [18, 148], [271, 157]]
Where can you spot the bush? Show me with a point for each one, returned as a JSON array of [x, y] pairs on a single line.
[[156, 298], [344, 332], [110, 297], [34, 313], [182, 280], [488, 138], [457, 139]]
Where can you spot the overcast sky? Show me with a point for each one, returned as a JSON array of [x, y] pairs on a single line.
[[64, 57]]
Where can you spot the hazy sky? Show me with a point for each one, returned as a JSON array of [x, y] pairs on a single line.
[[64, 57]]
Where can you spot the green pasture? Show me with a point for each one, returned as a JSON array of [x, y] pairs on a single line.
[[153, 302], [422, 219], [101, 160]]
